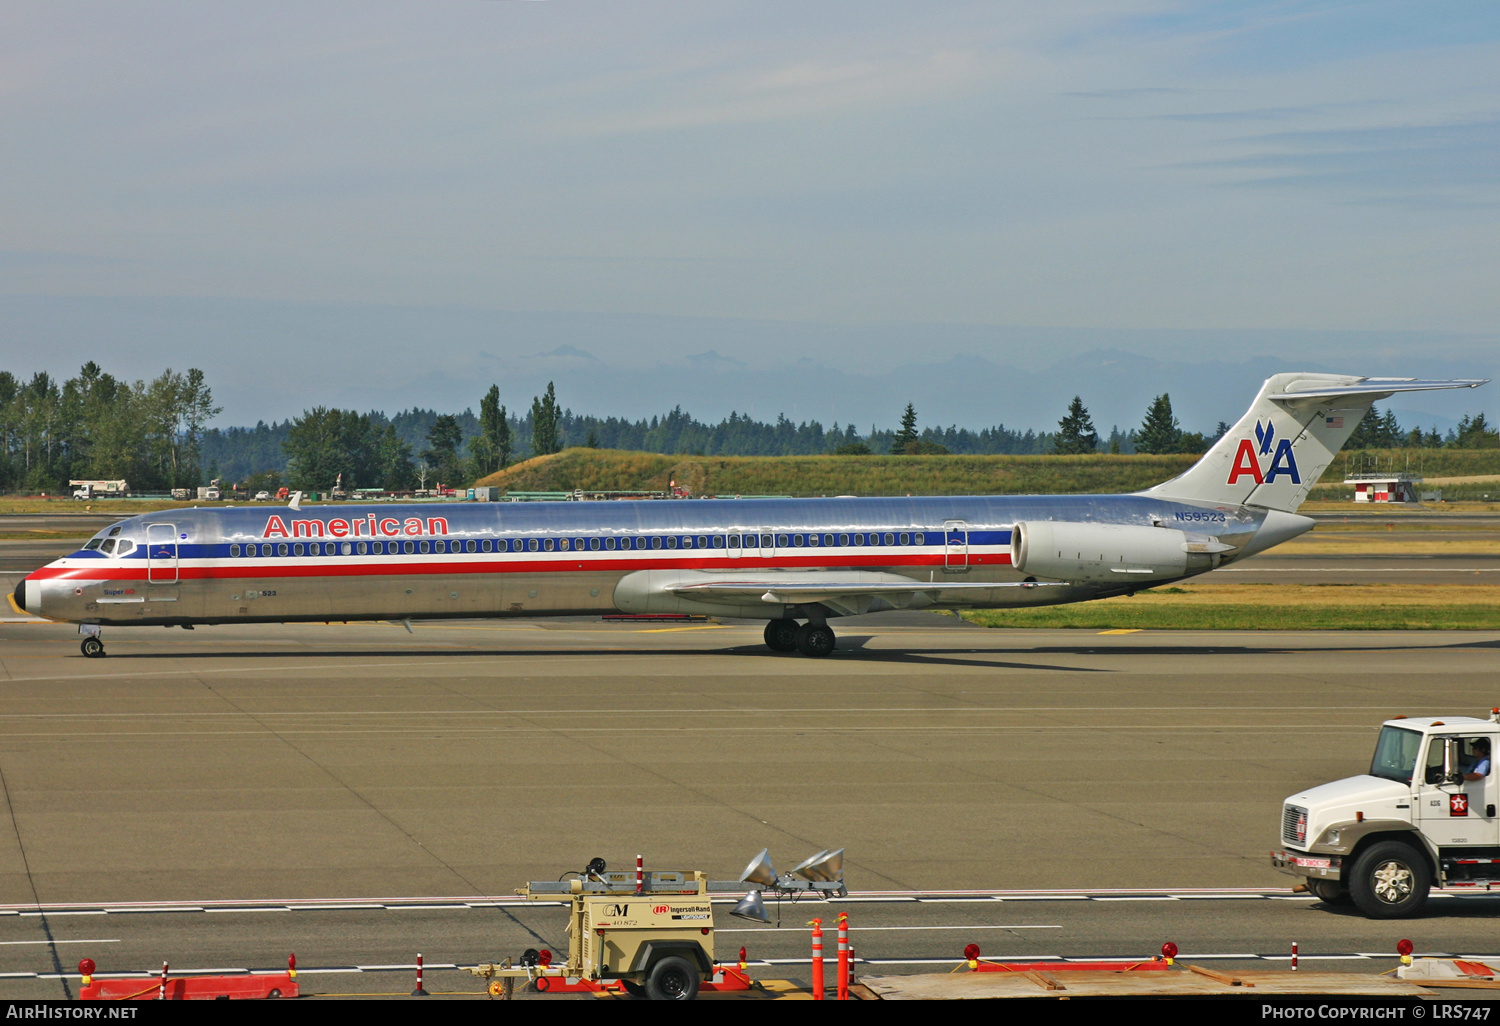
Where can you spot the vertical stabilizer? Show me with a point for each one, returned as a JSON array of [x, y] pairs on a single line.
[[1277, 451]]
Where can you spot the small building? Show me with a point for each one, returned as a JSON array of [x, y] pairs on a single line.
[[1390, 487]]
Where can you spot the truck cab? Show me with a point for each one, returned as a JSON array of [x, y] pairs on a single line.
[[1423, 816]]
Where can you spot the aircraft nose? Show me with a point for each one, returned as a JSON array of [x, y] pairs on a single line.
[[21, 594]]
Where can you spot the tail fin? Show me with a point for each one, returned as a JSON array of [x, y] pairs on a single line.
[[1284, 442]]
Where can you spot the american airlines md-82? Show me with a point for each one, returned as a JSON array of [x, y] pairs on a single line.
[[797, 563]]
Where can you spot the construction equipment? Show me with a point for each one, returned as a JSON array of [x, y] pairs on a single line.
[[648, 933]]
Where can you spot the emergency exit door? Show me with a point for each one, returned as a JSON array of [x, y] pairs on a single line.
[[161, 553]]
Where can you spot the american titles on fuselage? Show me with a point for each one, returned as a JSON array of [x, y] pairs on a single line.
[[370, 526]]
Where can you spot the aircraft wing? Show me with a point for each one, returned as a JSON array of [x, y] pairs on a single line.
[[839, 593]]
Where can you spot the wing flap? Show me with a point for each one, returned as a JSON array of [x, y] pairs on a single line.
[[790, 593]]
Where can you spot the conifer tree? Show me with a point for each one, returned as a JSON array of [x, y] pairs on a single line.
[[544, 423], [906, 439], [1075, 432], [1367, 433], [1160, 432]]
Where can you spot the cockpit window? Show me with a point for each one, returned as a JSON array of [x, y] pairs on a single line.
[[93, 543], [108, 546], [114, 530], [1395, 754], [125, 546]]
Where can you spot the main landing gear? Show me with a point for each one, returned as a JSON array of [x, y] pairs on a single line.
[[811, 639]]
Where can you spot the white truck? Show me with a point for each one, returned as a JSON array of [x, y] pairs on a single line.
[[1423, 816]]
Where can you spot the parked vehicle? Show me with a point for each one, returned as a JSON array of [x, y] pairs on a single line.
[[1424, 814]]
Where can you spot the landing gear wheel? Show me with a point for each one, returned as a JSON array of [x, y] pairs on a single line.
[[672, 979], [815, 639], [93, 648], [1390, 880], [1328, 892], [781, 635]]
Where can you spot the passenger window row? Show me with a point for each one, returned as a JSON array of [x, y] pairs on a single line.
[[657, 541]]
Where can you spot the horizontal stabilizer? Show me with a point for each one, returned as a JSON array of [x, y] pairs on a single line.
[[1375, 388]]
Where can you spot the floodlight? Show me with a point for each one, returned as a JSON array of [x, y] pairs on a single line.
[[824, 866], [800, 869], [751, 907], [760, 871]]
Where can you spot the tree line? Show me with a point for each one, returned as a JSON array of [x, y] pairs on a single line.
[[94, 426], [1160, 433], [154, 435]]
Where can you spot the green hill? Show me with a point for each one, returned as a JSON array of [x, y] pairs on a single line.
[[603, 469], [612, 470]]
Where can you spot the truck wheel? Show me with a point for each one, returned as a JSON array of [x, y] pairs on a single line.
[[1390, 880], [672, 979]]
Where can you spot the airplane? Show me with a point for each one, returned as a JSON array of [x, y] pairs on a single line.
[[796, 563]]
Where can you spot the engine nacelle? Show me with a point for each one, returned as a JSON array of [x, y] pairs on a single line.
[[1110, 553]]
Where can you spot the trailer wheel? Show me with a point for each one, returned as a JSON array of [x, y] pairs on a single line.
[[672, 979], [1390, 880]]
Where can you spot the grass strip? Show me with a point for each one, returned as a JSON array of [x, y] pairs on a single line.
[[1271, 607], [1247, 618]]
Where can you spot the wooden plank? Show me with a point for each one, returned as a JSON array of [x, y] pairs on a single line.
[[1224, 978], [1044, 980]]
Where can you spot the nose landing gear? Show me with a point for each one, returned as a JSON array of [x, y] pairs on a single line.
[[93, 647]]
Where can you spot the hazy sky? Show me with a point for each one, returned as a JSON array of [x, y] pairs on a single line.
[[360, 202]]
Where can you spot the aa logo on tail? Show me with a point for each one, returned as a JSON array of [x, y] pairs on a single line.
[[1247, 461]]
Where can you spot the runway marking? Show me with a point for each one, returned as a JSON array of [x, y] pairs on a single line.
[[1373, 956], [894, 929], [673, 630], [1124, 630], [1362, 570], [461, 904], [97, 940], [819, 729], [571, 714]]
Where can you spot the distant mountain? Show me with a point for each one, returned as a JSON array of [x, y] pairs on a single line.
[[272, 360]]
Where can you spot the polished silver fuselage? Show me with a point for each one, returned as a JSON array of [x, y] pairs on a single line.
[[320, 563]]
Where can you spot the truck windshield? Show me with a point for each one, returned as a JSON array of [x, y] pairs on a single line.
[[1396, 754]]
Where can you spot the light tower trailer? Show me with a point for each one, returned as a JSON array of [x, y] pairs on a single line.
[[1423, 815], [651, 930]]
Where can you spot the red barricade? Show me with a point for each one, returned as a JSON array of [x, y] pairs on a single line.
[[191, 988]]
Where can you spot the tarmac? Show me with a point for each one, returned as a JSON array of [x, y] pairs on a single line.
[[1085, 794]]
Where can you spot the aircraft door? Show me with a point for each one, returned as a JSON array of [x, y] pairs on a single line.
[[955, 546], [161, 553], [1457, 813]]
